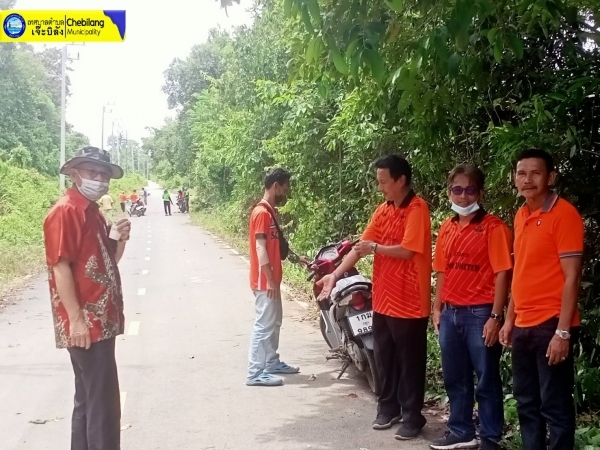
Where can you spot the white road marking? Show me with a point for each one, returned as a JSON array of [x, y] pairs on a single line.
[[243, 258], [142, 291], [144, 272], [123, 398], [148, 248], [301, 303], [235, 252], [134, 328], [147, 258], [149, 242], [226, 246]]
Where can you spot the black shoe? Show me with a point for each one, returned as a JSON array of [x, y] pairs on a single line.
[[383, 421], [407, 432], [489, 445], [450, 442]]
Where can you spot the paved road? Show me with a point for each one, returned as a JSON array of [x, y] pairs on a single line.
[[182, 361]]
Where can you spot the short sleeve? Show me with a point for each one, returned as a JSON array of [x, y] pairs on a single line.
[[439, 257], [500, 248], [568, 233], [62, 234], [261, 221], [370, 233], [416, 226]]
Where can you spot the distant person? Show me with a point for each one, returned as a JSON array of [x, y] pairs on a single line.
[[86, 295], [167, 202], [107, 203], [145, 195], [542, 322], [123, 200], [134, 197], [265, 282]]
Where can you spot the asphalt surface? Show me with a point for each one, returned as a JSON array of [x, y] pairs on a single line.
[[182, 361]]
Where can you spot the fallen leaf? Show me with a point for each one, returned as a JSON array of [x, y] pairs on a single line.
[[191, 357], [352, 395], [38, 421]]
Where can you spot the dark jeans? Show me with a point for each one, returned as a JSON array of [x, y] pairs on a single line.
[[167, 207], [464, 352], [96, 421], [123, 207], [401, 356], [544, 393]]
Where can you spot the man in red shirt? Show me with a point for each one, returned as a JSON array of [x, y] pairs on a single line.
[[86, 295], [265, 282], [399, 235]]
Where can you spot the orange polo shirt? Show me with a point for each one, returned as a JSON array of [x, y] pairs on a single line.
[[542, 238], [262, 222], [402, 288], [133, 197], [470, 257]]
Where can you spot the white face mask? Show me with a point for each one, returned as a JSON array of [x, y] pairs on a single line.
[[465, 211], [91, 189]]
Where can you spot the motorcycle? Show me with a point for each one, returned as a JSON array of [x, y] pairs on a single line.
[[137, 209], [346, 319], [182, 204]]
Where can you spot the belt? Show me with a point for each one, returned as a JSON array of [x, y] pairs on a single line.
[[449, 305]]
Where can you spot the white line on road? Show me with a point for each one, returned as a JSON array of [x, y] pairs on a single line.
[[134, 328], [148, 248], [142, 291], [235, 252], [123, 398], [144, 272], [243, 258], [147, 258], [149, 242]]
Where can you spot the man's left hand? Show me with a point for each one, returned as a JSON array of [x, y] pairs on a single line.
[[490, 332], [124, 227], [363, 248], [558, 350]]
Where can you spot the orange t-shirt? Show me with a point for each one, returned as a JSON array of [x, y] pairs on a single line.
[[470, 257], [133, 198], [122, 198], [262, 222], [542, 238], [402, 288]]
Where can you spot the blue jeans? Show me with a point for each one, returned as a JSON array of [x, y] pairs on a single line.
[[464, 352], [544, 393], [265, 337]]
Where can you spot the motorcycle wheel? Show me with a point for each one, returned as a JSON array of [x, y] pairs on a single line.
[[372, 373], [323, 331]]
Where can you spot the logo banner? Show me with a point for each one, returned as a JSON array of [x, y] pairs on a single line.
[[62, 26]]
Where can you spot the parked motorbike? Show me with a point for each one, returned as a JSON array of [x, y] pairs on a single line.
[[137, 209], [346, 320], [182, 204]]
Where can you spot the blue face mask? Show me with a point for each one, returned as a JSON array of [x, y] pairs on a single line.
[[465, 211]]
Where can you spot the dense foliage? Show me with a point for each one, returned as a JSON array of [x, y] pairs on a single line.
[[324, 87]]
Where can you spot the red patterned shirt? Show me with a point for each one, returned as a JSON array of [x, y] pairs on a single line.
[[76, 231], [401, 287]]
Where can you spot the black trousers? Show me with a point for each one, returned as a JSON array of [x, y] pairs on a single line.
[[96, 423], [544, 393], [123, 207], [401, 357], [167, 207]]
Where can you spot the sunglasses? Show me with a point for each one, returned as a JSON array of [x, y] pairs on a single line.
[[94, 174], [469, 190]]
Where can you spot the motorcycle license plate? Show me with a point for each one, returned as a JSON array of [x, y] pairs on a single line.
[[361, 323]]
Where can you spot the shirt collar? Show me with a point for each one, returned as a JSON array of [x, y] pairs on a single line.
[[477, 218], [411, 194], [77, 197], [550, 202]]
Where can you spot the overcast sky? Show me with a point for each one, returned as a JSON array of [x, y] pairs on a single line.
[[130, 74]]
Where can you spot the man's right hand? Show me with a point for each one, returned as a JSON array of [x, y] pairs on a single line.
[[80, 333], [273, 291], [505, 335], [327, 283], [436, 320]]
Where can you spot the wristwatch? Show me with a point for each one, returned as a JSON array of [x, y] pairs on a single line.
[[497, 317], [373, 247], [563, 334]]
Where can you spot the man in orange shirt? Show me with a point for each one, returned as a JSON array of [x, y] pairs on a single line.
[[542, 322], [399, 235], [123, 200], [265, 281], [133, 197], [473, 262], [86, 295]]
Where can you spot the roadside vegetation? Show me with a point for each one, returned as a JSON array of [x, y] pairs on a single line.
[[324, 87]]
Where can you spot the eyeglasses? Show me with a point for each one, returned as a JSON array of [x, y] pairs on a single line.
[[469, 190], [104, 176]]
